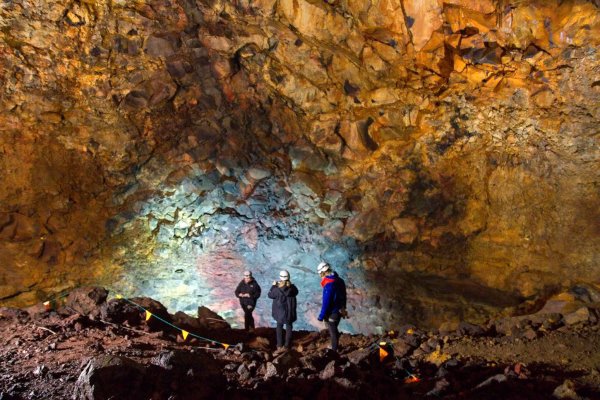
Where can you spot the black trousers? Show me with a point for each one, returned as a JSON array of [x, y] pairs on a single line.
[[332, 324], [288, 334], [248, 318]]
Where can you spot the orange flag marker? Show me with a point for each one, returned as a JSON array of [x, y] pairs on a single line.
[[185, 334], [382, 354], [412, 379]]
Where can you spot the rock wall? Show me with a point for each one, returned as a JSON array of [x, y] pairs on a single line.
[[441, 154]]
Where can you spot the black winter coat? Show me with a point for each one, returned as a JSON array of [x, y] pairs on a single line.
[[252, 288], [284, 303]]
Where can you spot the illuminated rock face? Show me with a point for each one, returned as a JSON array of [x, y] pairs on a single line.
[[442, 155]]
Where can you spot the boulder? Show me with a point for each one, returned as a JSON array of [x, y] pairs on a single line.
[[181, 360], [412, 339], [211, 320], [566, 391], [243, 372], [466, 328], [439, 388], [111, 377], [87, 300], [14, 314], [530, 334], [511, 326], [287, 361], [187, 322], [345, 383], [157, 309], [498, 378], [271, 371], [586, 293], [359, 356], [318, 360], [119, 311], [551, 322], [401, 348], [580, 316]]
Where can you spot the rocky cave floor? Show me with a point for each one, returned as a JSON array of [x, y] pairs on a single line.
[[107, 351]]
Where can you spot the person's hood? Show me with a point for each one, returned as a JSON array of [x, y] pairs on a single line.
[[329, 279]]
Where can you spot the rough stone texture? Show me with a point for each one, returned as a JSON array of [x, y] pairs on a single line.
[[86, 300], [442, 155], [108, 377]]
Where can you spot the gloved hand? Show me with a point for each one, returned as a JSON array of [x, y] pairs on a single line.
[[344, 313], [274, 283]]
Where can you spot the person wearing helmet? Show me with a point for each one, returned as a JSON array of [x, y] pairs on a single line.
[[248, 291], [334, 301], [283, 293]]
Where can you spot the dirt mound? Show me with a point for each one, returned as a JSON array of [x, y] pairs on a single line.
[[62, 354]]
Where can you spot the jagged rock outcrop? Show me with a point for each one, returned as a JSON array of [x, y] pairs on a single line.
[[443, 155], [60, 354]]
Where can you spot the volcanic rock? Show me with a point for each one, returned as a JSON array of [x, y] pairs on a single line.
[[447, 147], [566, 391], [87, 300], [579, 316], [210, 319], [107, 377]]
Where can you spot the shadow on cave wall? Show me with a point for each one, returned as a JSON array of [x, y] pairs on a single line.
[[428, 281], [433, 301]]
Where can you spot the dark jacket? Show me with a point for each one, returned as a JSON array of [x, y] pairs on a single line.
[[334, 295], [284, 303], [252, 288]]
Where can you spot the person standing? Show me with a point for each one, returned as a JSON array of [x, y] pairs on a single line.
[[333, 307], [283, 293], [248, 291]]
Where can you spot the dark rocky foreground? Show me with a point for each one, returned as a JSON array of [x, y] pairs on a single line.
[[88, 348]]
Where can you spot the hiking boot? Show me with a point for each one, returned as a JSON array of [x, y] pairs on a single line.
[[280, 350]]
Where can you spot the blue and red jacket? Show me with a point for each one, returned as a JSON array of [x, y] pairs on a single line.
[[334, 295]]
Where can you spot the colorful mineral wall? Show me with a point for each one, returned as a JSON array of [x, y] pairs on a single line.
[[442, 155]]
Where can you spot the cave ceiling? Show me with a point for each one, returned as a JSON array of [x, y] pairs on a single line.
[[442, 155]]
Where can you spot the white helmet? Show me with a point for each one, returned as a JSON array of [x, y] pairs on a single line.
[[322, 267], [284, 275]]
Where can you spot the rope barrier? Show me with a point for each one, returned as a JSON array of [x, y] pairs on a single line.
[[184, 333], [48, 305], [380, 344], [383, 353]]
